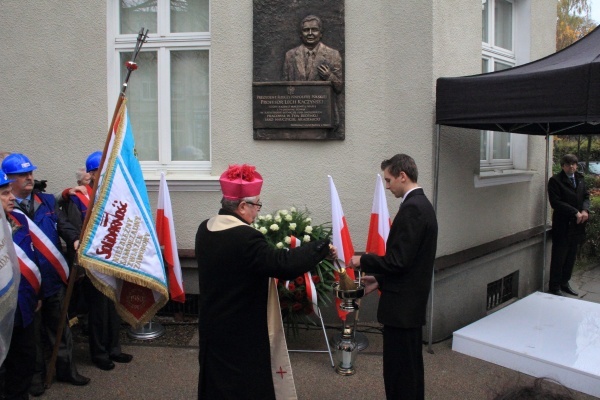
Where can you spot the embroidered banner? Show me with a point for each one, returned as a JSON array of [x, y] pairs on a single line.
[[119, 246]]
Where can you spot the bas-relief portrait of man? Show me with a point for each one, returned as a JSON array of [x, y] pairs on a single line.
[[301, 41], [313, 60]]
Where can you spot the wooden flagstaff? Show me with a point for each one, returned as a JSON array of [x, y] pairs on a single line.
[[131, 66]]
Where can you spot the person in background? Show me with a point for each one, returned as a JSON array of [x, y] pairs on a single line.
[[83, 177], [403, 275], [570, 200], [51, 224], [19, 365], [104, 323]]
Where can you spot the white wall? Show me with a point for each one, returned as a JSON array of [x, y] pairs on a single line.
[[471, 216], [54, 108], [388, 110], [53, 84]]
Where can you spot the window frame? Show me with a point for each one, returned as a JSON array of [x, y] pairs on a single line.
[[162, 42], [493, 54], [503, 172]]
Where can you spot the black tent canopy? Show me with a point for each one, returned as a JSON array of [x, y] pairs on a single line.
[[556, 94]]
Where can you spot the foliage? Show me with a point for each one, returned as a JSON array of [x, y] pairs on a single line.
[[574, 145], [278, 229], [590, 249], [573, 22]]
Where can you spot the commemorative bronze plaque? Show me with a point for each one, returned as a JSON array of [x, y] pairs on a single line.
[[293, 105], [298, 83]]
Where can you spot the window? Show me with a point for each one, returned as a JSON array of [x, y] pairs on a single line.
[[168, 95], [506, 42], [498, 54]]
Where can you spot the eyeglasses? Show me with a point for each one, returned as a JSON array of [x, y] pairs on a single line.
[[259, 204]]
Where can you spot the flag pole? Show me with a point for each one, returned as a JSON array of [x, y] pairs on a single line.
[[131, 66]]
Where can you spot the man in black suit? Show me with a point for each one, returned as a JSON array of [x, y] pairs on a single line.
[[404, 277], [570, 200]]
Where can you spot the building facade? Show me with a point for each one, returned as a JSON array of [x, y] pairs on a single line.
[[190, 103]]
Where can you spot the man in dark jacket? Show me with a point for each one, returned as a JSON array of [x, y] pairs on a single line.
[[48, 225], [570, 201], [403, 275], [19, 365], [104, 323], [236, 266]]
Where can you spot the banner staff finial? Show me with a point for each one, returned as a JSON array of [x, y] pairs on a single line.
[[131, 65]]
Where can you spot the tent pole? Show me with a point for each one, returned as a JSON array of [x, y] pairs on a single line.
[[435, 200], [545, 208]]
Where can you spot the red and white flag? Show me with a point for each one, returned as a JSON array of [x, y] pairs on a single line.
[[379, 227], [311, 290], [165, 231], [340, 237]]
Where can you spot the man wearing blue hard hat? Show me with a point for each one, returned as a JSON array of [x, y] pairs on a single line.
[[49, 224], [19, 364], [104, 323]]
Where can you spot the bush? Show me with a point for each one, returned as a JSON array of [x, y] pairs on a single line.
[[591, 247], [568, 145], [592, 182], [589, 251]]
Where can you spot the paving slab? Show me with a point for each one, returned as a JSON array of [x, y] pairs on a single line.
[[171, 372]]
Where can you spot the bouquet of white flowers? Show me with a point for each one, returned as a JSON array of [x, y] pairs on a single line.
[[279, 229]]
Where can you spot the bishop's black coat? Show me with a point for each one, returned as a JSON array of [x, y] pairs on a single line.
[[234, 266]]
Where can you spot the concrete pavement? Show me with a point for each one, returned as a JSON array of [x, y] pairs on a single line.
[[172, 372]]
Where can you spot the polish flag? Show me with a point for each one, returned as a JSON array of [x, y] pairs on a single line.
[[340, 238], [165, 230], [294, 242], [311, 290], [379, 227]]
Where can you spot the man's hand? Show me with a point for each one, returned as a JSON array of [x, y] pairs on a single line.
[[81, 189], [324, 71], [354, 262], [582, 216], [333, 254], [370, 283]]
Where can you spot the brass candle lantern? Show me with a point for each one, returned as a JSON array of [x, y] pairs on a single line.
[[345, 353], [347, 349]]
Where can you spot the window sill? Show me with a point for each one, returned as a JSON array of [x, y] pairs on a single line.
[[183, 182], [501, 177]]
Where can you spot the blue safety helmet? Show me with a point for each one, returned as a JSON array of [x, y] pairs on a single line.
[[93, 161], [17, 163], [4, 179]]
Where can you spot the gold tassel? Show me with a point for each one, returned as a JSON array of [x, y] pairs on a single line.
[[346, 283]]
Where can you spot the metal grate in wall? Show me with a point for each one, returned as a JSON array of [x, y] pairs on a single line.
[[502, 290], [190, 307]]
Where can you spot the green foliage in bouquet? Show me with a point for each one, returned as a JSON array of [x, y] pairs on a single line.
[[279, 228]]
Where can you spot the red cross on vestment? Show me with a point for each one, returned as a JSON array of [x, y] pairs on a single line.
[[281, 372]]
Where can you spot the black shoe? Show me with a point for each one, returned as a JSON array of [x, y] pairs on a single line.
[[103, 364], [37, 389], [556, 292], [74, 379], [568, 289], [122, 358]]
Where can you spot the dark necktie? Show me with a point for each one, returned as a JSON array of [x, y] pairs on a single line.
[[573, 181], [310, 57]]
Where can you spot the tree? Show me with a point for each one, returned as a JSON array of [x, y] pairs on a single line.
[[573, 22]]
